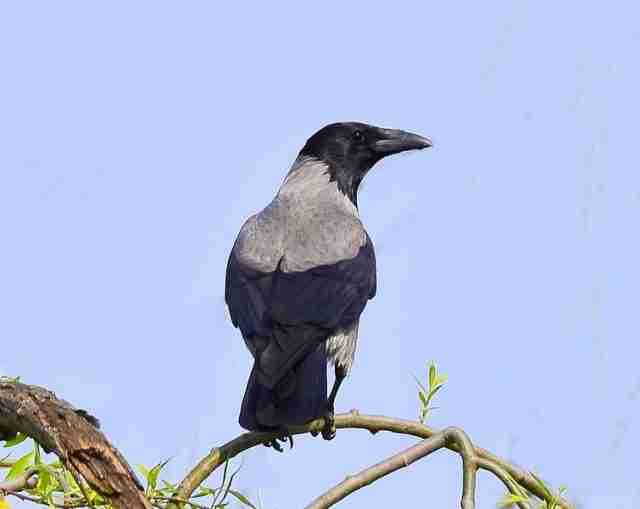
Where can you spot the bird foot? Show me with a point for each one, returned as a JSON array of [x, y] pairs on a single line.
[[275, 443], [329, 428]]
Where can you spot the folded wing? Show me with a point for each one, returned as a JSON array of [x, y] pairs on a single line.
[[283, 316]]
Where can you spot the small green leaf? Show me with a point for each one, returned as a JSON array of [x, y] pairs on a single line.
[[38, 456], [18, 439], [205, 491], [44, 483], [432, 374], [153, 474], [510, 499], [144, 470], [21, 465], [242, 498], [168, 487], [422, 387], [433, 392]]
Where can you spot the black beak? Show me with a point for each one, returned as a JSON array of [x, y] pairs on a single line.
[[392, 141]]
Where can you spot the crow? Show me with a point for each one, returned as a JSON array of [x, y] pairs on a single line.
[[300, 274]]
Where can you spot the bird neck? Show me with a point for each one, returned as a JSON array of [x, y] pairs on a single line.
[[313, 180], [346, 181]]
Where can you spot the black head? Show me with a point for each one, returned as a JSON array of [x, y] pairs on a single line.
[[350, 149]]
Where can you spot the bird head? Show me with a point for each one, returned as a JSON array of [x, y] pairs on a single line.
[[350, 149]]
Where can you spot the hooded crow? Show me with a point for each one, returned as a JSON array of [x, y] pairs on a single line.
[[300, 274]]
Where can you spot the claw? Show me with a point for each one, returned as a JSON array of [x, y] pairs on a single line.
[[286, 438], [275, 443]]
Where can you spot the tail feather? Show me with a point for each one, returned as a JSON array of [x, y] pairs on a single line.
[[298, 398]]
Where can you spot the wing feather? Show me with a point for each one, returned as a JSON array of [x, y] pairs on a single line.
[[294, 311]]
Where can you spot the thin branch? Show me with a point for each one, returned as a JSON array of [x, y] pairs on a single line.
[[22, 482], [507, 480], [353, 420], [180, 501], [64, 485], [404, 459], [39, 501], [73, 436], [455, 436]]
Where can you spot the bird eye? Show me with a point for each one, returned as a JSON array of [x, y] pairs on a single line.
[[358, 136]]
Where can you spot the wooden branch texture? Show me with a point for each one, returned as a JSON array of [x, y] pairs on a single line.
[[483, 459], [73, 436]]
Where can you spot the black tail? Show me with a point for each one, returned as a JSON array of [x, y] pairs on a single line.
[[298, 398]]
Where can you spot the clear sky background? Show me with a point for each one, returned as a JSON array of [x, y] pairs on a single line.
[[137, 136]]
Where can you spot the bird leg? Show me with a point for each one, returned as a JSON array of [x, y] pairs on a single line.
[[329, 429]]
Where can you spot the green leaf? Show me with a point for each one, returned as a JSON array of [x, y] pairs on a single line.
[[423, 398], [92, 496], [510, 499], [229, 484], [432, 374], [20, 466], [433, 392], [152, 478], [422, 387], [168, 487], [18, 439], [44, 483], [242, 498], [205, 491], [144, 470], [38, 456]]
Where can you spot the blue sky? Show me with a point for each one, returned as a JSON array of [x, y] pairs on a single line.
[[138, 136]]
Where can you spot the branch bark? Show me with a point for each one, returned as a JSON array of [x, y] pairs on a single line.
[[74, 437], [404, 459], [22, 482], [502, 469]]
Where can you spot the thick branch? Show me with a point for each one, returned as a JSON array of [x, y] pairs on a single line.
[[373, 423], [73, 436]]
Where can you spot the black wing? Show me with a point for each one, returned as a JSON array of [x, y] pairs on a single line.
[[283, 316]]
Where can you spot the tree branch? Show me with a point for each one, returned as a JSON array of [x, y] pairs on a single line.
[[483, 459], [22, 482], [73, 436], [404, 459]]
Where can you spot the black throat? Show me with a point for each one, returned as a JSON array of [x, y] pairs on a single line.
[[348, 183]]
